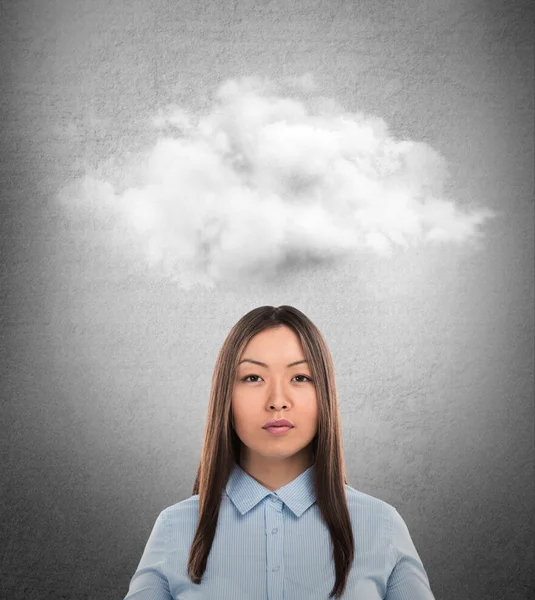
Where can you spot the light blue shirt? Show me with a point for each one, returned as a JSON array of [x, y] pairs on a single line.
[[276, 546]]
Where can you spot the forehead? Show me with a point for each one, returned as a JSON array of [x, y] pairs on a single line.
[[281, 340]]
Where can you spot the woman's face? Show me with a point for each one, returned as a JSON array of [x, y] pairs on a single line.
[[274, 391]]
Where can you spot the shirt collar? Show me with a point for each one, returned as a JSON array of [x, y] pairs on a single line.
[[245, 492]]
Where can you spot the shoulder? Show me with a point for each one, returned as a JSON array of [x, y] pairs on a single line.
[[179, 520], [372, 521], [183, 514], [181, 510], [362, 505]]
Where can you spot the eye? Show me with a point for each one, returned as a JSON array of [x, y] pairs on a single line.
[[305, 376]]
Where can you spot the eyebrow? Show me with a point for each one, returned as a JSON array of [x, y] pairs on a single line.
[[257, 362]]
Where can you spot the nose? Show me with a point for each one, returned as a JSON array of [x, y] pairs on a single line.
[[277, 405], [277, 396]]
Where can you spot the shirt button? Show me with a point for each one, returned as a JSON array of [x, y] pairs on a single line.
[[274, 530], [275, 568]]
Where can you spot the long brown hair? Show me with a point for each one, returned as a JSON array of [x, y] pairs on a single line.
[[221, 445]]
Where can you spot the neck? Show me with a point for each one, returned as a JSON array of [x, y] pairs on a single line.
[[274, 474]]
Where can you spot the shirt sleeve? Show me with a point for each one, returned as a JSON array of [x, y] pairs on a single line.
[[149, 582], [408, 579]]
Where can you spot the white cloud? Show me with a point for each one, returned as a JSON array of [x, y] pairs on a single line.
[[264, 178]]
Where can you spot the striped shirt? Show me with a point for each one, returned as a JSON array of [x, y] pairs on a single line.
[[276, 546]]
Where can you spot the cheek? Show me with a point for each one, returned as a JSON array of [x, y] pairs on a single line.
[[313, 412], [241, 409]]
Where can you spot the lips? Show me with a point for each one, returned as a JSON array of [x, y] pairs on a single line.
[[278, 430], [278, 423]]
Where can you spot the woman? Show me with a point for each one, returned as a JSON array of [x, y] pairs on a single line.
[[272, 515]]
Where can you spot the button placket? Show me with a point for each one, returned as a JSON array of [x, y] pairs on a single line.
[[274, 548]]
